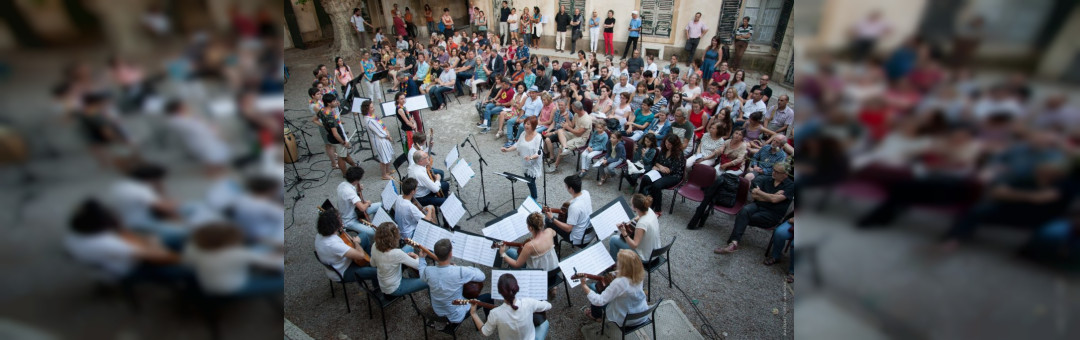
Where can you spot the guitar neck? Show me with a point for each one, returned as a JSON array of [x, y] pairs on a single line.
[[589, 276], [422, 248], [478, 303], [508, 244]]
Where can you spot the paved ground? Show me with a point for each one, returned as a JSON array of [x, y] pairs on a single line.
[[736, 294]]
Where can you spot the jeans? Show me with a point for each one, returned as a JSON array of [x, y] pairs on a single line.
[[594, 38], [629, 41], [364, 273], [527, 32], [366, 233], [596, 311], [780, 236], [752, 214], [432, 199], [615, 244], [511, 123], [612, 168], [656, 189], [436, 94], [504, 29], [586, 159], [261, 285], [609, 38], [512, 252], [491, 110], [542, 330], [532, 186], [573, 42], [430, 27], [409, 286]]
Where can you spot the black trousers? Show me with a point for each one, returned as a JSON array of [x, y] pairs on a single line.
[[629, 40], [752, 214], [656, 189]]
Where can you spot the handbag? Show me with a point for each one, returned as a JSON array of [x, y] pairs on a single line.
[[634, 168]]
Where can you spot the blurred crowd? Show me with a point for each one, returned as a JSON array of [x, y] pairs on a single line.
[[917, 127]]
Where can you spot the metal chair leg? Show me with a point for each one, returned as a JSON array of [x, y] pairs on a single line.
[[348, 307], [382, 312], [566, 287], [669, 274], [648, 296]]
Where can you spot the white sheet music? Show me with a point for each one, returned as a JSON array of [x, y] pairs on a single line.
[[591, 260], [532, 283], [462, 172], [357, 103], [452, 209], [451, 157], [389, 109], [389, 195], [381, 217], [510, 228], [606, 222], [416, 103], [348, 90], [653, 175], [530, 205], [473, 249], [598, 163], [426, 234]]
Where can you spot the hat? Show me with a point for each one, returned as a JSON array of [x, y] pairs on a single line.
[[533, 89], [633, 12]]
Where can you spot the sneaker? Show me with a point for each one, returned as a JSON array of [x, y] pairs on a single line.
[[485, 130], [508, 144], [566, 151], [731, 248], [552, 169], [482, 125], [391, 91]]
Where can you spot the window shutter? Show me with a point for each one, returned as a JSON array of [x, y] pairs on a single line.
[[657, 17], [781, 26], [729, 18]]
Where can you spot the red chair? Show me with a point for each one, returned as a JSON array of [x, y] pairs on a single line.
[[701, 177], [740, 198]]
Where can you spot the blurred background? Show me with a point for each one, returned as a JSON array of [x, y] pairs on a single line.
[[936, 159], [141, 160]]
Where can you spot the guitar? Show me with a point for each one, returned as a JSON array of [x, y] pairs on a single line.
[[329, 208], [562, 212], [416, 245], [602, 281], [497, 244], [538, 317], [361, 214], [627, 227]]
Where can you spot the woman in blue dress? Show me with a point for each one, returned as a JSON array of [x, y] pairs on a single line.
[[712, 55]]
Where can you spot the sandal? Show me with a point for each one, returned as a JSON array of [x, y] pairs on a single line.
[[770, 261], [790, 278], [588, 313]]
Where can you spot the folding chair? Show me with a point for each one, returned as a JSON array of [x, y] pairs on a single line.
[[384, 300], [555, 278], [651, 313], [629, 145], [658, 258], [701, 177], [342, 280], [431, 320], [576, 246], [402, 159]]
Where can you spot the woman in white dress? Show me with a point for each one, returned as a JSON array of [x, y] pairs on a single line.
[[380, 139], [528, 148]]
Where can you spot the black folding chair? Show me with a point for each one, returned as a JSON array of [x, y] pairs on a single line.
[[402, 159], [342, 280], [588, 231], [383, 300], [432, 321], [658, 258], [555, 278], [625, 329]]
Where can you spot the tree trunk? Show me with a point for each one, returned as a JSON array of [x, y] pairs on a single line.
[[345, 39]]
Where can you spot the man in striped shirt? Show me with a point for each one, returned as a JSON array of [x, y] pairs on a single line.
[[743, 33]]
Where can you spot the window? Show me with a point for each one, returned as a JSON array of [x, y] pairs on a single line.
[[571, 5], [656, 18], [765, 16]]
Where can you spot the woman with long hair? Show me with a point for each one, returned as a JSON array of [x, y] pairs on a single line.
[[623, 296], [388, 258], [538, 27], [670, 165], [343, 73], [709, 147], [525, 26], [677, 103], [712, 59], [723, 117], [641, 92], [738, 81], [514, 318], [603, 106], [646, 235], [731, 102], [733, 154]]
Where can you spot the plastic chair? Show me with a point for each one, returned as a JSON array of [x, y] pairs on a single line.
[[701, 177], [659, 257], [383, 300], [341, 279], [740, 198], [651, 313]]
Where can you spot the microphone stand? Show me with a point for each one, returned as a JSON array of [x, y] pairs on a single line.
[[298, 179], [483, 188], [307, 148]]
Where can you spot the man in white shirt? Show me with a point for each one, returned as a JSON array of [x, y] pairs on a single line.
[[429, 191], [577, 216], [332, 251], [358, 24], [406, 214], [623, 86], [139, 203], [420, 144], [349, 202], [780, 116], [755, 104], [259, 212], [694, 30]]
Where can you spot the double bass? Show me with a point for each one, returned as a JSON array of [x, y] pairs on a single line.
[[471, 290], [538, 317]]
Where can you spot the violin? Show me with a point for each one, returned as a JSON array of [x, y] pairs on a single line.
[[538, 317], [602, 281], [562, 212]]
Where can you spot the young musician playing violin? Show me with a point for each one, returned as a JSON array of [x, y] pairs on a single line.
[[388, 259], [514, 318], [577, 214], [408, 212], [446, 281], [538, 250], [349, 192], [646, 232], [332, 250], [623, 296]]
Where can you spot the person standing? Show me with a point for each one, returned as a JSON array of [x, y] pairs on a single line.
[[635, 33], [329, 119], [866, 34], [430, 20], [504, 27], [448, 24], [575, 29], [399, 25], [562, 21], [380, 139], [528, 148], [367, 67], [694, 31], [609, 33], [410, 28], [358, 24], [594, 31], [743, 33]]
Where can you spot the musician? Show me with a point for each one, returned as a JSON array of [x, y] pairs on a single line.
[[528, 148], [388, 259], [380, 140], [349, 200], [514, 318], [330, 119], [407, 211], [259, 212], [577, 214], [431, 189], [224, 266], [99, 239], [333, 251], [446, 281], [646, 234], [201, 138], [315, 104], [143, 206], [538, 251], [406, 122], [420, 143], [623, 296]]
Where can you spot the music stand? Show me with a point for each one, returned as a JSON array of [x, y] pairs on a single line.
[[417, 104], [298, 179], [513, 179], [376, 78], [483, 188]]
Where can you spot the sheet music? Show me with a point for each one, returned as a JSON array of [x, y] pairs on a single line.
[[426, 234], [653, 175], [452, 209], [389, 195], [598, 163], [508, 228], [532, 283], [416, 103], [472, 248], [357, 103], [462, 172], [591, 260], [389, 109], [605, 222], [530, 205], [348, 90], [381, 217], [451, 157]]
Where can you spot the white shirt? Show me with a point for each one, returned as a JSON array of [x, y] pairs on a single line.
[[388, 267], [689, 93], [406, 215], [651, 240], [425, 186], [448, 76], [752, 106], [527, 148], [871, 29], [357, 21], [201, 139], [619, 88], [331, 250], [347, 199], [578, 216], [106, 251], [132, 200], [225, 271], [651, 67], [261, 219], [412, 151], [622, 298], [514, 324]]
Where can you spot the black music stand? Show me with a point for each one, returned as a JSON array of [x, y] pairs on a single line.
[[378, 77], [483, 188], [513, 179], [420, 113]]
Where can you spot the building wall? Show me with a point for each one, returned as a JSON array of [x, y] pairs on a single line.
[[785, 57], [288, 37], [838, 16], [306, 20], [1064, 49], [48, 18]]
